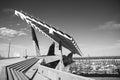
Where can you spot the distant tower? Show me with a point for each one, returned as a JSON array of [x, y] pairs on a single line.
[[9, 48]]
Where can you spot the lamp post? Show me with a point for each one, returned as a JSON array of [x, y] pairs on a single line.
[[9, 48]]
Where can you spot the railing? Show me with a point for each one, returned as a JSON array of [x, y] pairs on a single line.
[[17, 71], [53, 74]]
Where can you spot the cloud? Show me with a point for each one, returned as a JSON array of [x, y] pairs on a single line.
[[111, 25], [18, 24], [6, 32], [26, 29]]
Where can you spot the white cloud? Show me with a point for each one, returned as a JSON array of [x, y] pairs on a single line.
[[20, 33], [111, 25], [18, 24], [6, 32], [25, 29]]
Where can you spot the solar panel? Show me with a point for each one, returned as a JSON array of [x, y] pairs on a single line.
[[56, 35]]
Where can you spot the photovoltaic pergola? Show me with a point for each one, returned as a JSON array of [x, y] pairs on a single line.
[[56, 35]]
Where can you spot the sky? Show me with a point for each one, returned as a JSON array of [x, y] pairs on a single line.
[[94, 24]]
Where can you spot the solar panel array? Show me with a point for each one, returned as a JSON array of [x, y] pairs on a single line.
[[50, 31]]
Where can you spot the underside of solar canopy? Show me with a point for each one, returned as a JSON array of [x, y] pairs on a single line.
[[54, 34]]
